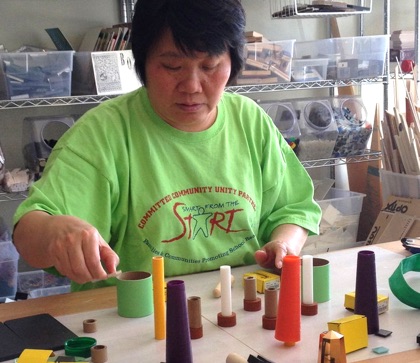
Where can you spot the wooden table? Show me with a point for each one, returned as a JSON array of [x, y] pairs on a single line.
[[132, 340]]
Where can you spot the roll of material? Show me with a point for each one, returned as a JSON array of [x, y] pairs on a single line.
[[89, 326], [99, 354]]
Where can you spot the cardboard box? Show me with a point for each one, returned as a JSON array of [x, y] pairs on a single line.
[[398, 184], [398, 218], [350, 298], [265, 280], [354, 329]]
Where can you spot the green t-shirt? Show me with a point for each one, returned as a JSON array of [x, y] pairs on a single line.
[[200, 200]]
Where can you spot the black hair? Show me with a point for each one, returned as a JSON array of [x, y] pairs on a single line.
[[212, 26]]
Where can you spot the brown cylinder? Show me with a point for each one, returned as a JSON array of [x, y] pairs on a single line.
[[270, 305], [194, 317], [89, 326], [271, 296], [99, 353], [250, 288], [251, 301]]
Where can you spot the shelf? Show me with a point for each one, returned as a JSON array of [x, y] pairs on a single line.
[[294, 9], [53, 101], [302, 85], [9, 197], [94, 99], [368, 155]]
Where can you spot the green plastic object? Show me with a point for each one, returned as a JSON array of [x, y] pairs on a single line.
[[399, 286], [79, 346]]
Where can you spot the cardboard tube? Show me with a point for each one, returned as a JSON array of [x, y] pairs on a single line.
[[270, 307], [89, 326], [99, 354], [251, 301], [194, 317]]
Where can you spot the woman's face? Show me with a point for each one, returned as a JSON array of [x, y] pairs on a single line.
[[185, 90]]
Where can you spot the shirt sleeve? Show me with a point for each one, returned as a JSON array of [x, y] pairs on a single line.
[[288, 196]]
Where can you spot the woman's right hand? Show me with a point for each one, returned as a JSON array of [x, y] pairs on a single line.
[[74, 247]]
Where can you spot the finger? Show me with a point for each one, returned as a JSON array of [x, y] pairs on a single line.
[[91, 246], [109, 258], [281, 252]]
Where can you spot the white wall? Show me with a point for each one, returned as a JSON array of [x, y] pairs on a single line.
[[22, 22]]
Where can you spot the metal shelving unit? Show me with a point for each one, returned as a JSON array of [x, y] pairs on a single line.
[[299, 9], [53, 101], [126, 5], [94, 99], [368, 155]]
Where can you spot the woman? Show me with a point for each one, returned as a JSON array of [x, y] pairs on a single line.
[[178, 168]]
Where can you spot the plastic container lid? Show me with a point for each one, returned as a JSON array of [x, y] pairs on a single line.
[[354, 111], [318, 115], [284, 117]]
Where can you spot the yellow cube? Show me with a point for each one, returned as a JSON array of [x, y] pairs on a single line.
[[350, 298], [354, 329]]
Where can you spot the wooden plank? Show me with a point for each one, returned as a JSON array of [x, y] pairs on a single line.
[[411, 356], [63, 304]]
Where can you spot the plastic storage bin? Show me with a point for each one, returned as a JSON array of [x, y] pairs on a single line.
[[9, 258], [284, 117], [266, 63], [37, 74], [353, 128], [340, 222], [348, 57], [306, 70], [39, 279], [49, 291], [318, 129]]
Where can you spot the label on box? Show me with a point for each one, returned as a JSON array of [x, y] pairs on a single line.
[[397, 219]]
